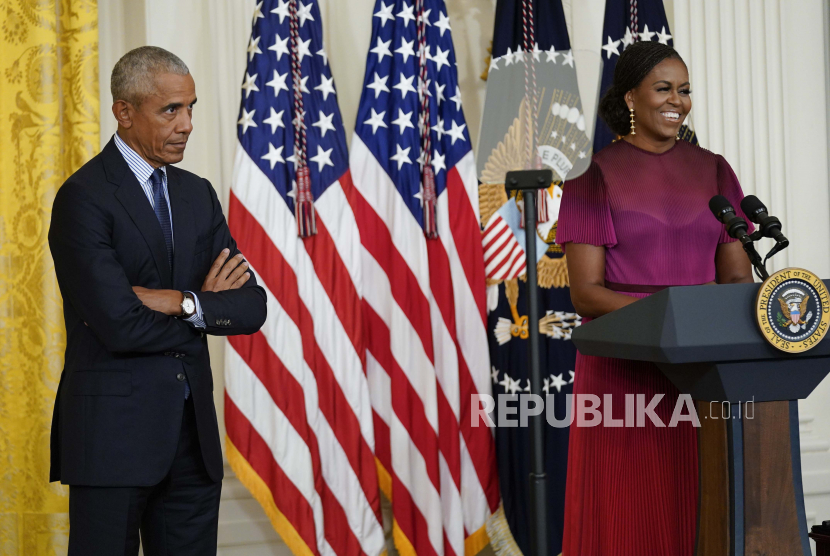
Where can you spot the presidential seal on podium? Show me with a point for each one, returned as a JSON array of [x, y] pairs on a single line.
[[793, 310]]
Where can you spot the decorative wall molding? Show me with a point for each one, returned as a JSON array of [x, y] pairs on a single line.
[[762, 99], [758, 76]]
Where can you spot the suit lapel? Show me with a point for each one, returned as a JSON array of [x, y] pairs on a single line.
[[132, 198], [184, 232]]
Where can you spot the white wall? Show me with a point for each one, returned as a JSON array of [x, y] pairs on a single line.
[[758, 69], [759, 72]]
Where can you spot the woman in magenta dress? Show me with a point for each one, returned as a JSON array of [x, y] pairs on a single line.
[[636, 222]]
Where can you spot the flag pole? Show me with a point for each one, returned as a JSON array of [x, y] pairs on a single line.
[[529, 182]]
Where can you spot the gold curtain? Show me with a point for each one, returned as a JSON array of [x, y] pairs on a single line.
[[48, 129]]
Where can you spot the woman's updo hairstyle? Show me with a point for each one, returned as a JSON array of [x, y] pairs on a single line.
[[634, 64]]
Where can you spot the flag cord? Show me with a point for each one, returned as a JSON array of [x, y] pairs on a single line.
[[304, 199], [531, 91], [428, 190], [532, 103], [634, 23]]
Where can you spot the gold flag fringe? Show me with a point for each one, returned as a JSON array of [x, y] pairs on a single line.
[[473, 544], [501, 539], [260, 491], [477, 541], [262, 494]]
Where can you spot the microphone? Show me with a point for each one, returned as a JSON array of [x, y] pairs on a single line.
[[769, 226], [737, 227]]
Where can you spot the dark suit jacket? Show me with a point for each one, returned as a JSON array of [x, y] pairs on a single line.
[[119, 406]]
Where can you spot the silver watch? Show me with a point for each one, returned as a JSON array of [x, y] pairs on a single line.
[[188, 305]]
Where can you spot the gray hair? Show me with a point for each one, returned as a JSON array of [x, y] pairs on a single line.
[[134, 75]]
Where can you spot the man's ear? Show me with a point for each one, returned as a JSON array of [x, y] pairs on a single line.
[[123, 112]]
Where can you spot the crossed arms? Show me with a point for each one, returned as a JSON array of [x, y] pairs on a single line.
[[225, 274], [130, 319]]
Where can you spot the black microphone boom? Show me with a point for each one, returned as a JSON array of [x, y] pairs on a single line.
[[768, 226], [737, 227]]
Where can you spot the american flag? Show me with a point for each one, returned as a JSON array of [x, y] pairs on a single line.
[[297, 404], [423, 297]]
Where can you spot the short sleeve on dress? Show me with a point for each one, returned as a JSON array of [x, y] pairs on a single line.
[[584, 213], [729, 187]]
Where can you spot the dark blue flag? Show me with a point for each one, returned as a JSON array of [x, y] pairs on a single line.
[[625, 23], [532, 118]]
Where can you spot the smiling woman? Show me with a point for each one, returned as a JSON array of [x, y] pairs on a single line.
[[650, 94], [635, 223], [662, 104]]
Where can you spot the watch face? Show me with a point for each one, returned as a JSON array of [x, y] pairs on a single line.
[[188, 306]]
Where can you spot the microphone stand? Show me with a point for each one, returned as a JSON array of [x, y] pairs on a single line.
[[754, 257], [529, 182], [781, 243]]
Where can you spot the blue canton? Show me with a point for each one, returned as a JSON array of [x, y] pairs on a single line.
[[388, 115], [266, 119]]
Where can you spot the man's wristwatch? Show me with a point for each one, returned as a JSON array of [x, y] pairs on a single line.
[[188, 305]]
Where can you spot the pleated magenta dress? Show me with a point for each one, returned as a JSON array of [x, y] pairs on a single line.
[[634, 491]]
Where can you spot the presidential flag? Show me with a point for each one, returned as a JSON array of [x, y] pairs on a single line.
[[532, 118], [297, 406], [626, 22], [414, 197]]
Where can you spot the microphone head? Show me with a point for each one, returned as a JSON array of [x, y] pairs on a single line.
[[753, 207], [720, 206]]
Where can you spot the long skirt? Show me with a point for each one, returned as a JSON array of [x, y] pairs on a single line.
[[631, 491]]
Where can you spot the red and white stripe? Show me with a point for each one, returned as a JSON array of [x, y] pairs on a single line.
[[297, 399], [427, 354], [504, 258]]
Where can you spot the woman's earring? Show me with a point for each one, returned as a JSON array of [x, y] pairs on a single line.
[[632, 121]]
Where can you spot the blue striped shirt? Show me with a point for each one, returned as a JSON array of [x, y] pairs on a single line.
[[143, 171]]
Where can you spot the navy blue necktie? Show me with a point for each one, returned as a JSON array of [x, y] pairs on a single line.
[[163, 215], [162, 212]]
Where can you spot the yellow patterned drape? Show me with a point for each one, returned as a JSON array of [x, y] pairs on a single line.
[[48, 129]]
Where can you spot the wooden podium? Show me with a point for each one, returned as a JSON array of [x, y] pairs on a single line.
[[706, 341]]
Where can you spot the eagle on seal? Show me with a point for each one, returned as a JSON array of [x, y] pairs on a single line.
[[795, 314]]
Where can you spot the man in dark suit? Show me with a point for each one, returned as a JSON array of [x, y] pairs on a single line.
[[147, 267]]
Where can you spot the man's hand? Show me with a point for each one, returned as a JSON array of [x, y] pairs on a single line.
[[168, 302], [226, 274]]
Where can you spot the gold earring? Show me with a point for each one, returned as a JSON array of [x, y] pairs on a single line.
[[632, 121]]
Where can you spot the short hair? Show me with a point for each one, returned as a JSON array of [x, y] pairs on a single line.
[[634, 64], [134, 75]]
